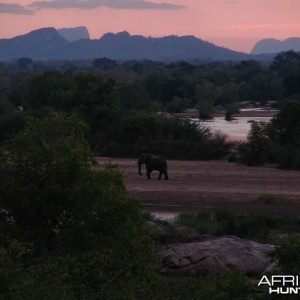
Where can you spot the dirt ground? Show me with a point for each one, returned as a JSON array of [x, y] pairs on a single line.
[[206, 185]]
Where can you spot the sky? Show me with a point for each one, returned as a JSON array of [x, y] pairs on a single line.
[[234, 24]]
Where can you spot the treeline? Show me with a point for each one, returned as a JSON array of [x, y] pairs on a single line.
[[120, 101], [275, 142], [181, 82]]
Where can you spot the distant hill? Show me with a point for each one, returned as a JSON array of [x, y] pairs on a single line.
[[74, 34], [276, 46], [48, 44], [39, 44]]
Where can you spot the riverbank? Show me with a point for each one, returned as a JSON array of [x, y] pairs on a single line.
[[247, 112], [207, 185]]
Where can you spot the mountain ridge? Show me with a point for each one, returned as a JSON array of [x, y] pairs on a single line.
[[272, 45], [48, 44], [75, 33]]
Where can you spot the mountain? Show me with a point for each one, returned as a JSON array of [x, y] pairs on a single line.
[[38, 44], [74, 34], [276, 46], [48, 44]]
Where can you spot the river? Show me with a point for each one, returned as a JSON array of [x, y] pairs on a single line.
[[239, 127], [236, 130]]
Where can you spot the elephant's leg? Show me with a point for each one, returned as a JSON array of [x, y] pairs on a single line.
[[148, 170], [160, 173], [149, 173], [166, 175]]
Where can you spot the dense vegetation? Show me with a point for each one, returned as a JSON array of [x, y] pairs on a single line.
[[68, 229], [261, 227], [120, 101], [276, 142]]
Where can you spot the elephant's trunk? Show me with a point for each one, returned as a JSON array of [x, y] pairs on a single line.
[[140, 168]]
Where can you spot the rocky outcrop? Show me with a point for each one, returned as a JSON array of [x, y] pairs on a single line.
[[74, 34], [216, 256], [276, 46]]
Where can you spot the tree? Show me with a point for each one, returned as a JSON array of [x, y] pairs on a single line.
[[68, 230], [284, 60], [52, 89], [256, 149], [41, 170], [230, 109], [104, 63], [134, 96], [286, 125], [206, 108]]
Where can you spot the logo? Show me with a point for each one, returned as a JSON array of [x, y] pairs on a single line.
[[281, 284]]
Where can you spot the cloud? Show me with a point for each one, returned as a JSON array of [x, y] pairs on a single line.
[[15, 9], [89, 4]]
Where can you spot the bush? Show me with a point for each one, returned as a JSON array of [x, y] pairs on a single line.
[[288, 254], [226, 222], [256, 149], [173, 138], [68, 230]]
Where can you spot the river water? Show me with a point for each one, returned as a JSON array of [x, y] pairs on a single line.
[[236, 129]]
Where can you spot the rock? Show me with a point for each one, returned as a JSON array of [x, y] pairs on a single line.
[[273, 268], [216, 256]]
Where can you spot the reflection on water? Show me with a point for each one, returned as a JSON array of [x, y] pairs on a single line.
[[236, 129], [164, 215]]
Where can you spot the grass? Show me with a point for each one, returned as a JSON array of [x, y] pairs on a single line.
[[233, 286], [270, 199], [244, 225]]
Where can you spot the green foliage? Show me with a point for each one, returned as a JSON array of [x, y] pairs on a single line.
[[233, 286], [286, 125], [284, 60], [104, 63], [203, 223], [206, 108], [276, 142], [178, 105], [288, 255], [170, 137], [39, 169], [106, 100], [256, 149], [11, 119], [285, 135], [68, 230], [232, 108], [135, 97], [248, 225]]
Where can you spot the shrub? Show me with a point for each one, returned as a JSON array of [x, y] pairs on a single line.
[[68, 230], [288, 254]]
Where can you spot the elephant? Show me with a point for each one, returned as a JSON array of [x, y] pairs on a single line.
[[153, 163]]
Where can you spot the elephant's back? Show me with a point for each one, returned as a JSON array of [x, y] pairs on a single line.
[[159, 161]]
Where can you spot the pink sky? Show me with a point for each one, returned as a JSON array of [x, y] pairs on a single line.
[[235, 24]]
